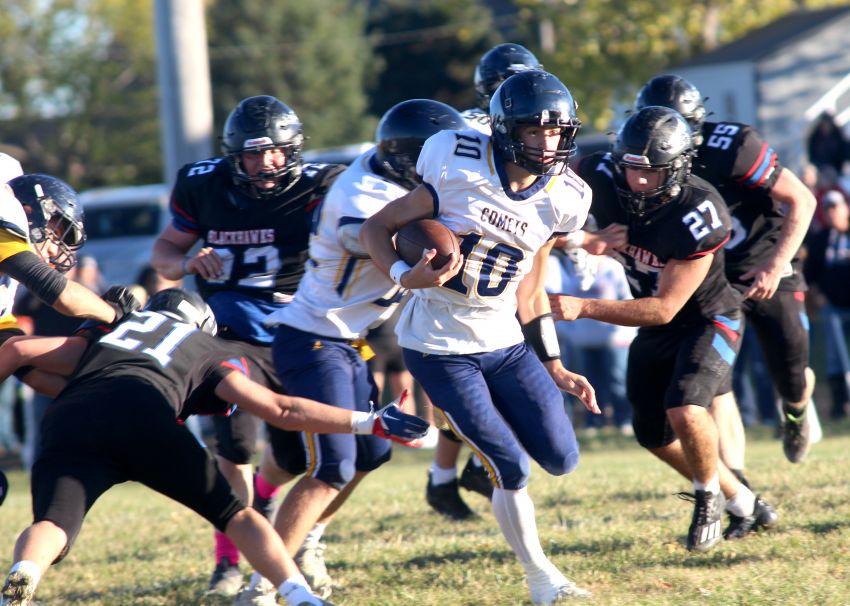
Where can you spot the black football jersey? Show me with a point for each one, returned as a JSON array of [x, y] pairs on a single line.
[[263, 242], [182, 362], [744, 168], [695, 225]]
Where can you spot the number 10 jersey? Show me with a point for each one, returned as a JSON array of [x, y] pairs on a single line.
[[499, 231]]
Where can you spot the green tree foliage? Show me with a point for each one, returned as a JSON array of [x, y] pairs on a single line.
[[77, 89], [429, 49], [605, 50], [311, 55]]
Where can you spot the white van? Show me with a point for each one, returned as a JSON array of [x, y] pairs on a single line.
[[122, 224]]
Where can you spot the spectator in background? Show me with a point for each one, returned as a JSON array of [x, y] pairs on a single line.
[[827, 145], [752, 384], [828, 272], [597, 350]]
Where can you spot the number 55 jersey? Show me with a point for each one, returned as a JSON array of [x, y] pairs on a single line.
[[694, 225], [499, 231]]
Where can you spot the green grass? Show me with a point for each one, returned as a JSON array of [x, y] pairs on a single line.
[[614, 526]]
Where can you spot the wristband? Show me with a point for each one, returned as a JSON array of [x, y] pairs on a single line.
[[362, 422], [541, 337], [184, 266], [398, 269]]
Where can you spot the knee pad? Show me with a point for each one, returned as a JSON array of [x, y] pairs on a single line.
[[337, 475]]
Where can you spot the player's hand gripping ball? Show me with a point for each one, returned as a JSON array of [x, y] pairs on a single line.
[[414, 238]]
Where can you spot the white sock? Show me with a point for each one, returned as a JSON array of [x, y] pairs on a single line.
[[743, 504], [296, 591], [442, 475], [514, 512], [314, 536], [712, 486], [30, 568], [256, 577]]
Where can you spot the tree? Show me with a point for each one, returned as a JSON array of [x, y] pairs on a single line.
[[605, 50], [429, 50], [311, 55], [78, 89]]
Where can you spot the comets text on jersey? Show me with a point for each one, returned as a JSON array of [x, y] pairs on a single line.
[[503, 221], [242, 236]]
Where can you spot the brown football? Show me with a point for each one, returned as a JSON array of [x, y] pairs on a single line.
[[422, 235]]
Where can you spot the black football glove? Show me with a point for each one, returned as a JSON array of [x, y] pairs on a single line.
[[121, 300]]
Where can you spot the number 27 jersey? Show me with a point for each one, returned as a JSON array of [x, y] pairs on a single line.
[[499, 231]]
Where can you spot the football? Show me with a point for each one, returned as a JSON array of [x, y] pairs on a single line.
[[414, 238]]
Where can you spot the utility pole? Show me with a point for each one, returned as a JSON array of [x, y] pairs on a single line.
[[185, 97]]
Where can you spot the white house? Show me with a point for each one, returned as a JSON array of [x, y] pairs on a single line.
[[780, 78]]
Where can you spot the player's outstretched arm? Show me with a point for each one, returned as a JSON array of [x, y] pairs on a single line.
[[53, 359], [302, 414]]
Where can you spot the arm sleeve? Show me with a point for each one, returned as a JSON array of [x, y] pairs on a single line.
[[35, 275]]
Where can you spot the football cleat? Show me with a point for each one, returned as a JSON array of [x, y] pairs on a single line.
[[553, 588], [476, 479], [704, 531], [311, 560], [226, 579], [764, 517], [18, 590], [795, 434], [263, 594], [445, 499]]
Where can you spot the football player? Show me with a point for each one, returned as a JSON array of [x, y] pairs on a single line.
[[463, 330], [251, 210], [771, 211], [41, 228], [688, 313], [160, 363], [319, 347], [441, 492]]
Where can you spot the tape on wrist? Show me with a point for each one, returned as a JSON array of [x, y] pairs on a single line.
[[541, 336], [184, 266], [398, 269]]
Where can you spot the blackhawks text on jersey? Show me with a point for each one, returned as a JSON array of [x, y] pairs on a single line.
[[263, 242]]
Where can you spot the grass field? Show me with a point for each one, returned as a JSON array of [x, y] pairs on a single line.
[[614, 526]]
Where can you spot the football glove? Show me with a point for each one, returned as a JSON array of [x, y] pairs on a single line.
[[121, 299], [391, 423]]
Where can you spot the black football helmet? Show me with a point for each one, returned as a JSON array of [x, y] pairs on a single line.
[[184, 306], [658, 139], [497, 65], [402, 132], [259, 123], [676, 93], [534, 98], [54, 214]]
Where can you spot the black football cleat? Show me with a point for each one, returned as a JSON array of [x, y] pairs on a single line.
[[764, 517], [476, 479], [445, 499], [704, 531]]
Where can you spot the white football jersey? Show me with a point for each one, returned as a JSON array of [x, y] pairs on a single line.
[[478, 119], [13, 219], [499, 230], [341, 296]]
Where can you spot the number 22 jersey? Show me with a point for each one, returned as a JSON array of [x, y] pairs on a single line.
[[499, 231]]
